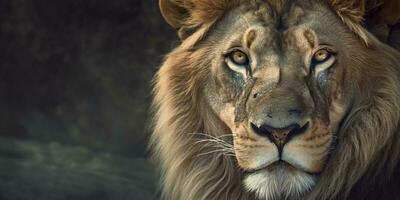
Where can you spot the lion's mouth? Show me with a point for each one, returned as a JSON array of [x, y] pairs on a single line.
[[280, 165]]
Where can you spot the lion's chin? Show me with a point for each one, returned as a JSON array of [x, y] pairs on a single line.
[[279, 182]]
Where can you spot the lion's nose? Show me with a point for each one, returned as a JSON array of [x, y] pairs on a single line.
[[279, 136]]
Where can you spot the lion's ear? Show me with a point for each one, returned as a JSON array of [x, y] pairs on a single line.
[[176, 13], [173, 12], [186, 16], [352, 12]]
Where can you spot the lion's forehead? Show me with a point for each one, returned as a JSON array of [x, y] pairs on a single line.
[[292, 26]]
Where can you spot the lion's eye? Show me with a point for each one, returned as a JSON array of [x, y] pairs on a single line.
[[239, 58], [321, 55], [238, 61], [322, 60]]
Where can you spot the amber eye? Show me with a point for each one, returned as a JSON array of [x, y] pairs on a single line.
[[239, 58], [321, 55]]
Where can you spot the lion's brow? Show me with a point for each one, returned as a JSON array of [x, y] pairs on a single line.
[[250, 37]]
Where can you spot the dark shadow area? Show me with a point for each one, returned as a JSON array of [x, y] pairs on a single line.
[[75, 90]]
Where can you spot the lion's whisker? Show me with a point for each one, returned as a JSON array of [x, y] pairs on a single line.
[[222, 151], [213, 137], [214, 142]]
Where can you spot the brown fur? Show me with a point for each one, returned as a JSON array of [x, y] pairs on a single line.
[[368, 144]]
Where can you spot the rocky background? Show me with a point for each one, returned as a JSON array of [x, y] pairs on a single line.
[[75, 89]]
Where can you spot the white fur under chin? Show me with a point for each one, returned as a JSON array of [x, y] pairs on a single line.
[[279, 184]]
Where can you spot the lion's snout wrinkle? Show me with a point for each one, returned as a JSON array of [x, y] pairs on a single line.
[[279, 119], [279, 108]]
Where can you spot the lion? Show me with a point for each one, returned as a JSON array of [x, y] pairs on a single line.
[[276, 99]]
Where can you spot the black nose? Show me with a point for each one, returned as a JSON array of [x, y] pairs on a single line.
[[279, 136]]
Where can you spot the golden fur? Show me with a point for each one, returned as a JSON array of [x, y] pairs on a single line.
[[368, 144]]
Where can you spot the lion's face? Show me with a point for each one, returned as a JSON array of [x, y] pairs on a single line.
[[277, 81], [298, 98]]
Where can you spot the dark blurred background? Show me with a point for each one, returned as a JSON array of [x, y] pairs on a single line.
[[75, 90]]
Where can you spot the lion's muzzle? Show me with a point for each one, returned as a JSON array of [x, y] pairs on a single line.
[[282, 125]]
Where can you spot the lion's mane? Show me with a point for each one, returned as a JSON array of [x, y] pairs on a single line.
[[368, 148]]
